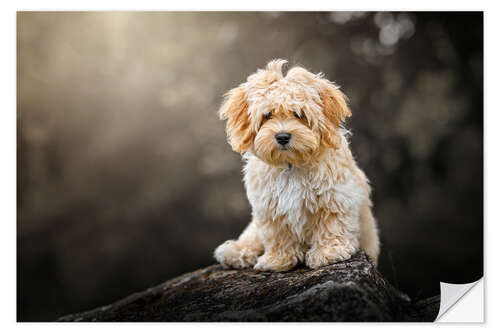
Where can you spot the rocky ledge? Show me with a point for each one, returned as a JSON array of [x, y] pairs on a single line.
[[351, 290]]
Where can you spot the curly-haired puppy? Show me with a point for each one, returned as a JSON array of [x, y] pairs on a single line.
[[310, 201]]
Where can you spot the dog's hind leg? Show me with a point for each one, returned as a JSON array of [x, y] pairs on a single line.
[[369, 240]]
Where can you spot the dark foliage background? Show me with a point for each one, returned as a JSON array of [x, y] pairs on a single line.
[[125, 178]]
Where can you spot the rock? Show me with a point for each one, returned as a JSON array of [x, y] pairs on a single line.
[[351, 290]]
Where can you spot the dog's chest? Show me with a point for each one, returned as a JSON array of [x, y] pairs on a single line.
[[283, 194]]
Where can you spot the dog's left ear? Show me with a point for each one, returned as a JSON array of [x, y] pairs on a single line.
[[335, 110], [234, 109]]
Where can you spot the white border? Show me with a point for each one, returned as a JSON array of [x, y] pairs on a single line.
[[467, 307], [8, 128]]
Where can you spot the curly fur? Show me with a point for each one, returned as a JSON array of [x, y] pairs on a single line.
[[310, 201]]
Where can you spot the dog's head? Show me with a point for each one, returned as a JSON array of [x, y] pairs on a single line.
[[284, 119]]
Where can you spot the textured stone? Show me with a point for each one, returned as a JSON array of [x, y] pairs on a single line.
[[352, 290]]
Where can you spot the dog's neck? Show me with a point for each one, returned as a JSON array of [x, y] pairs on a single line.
[[287, 166], [291, 165]]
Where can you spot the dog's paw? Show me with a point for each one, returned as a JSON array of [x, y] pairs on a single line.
[[319, 257], [230, 254], [268, 262]]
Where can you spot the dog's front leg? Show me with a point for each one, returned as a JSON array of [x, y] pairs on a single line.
[[282, 248], [243, 252], [335, 238]]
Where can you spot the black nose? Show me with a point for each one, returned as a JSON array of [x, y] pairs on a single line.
[[283, 138]]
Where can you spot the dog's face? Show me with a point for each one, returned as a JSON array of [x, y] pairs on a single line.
[[284, 119]]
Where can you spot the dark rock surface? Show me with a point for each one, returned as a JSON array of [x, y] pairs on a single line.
[[352, 290]]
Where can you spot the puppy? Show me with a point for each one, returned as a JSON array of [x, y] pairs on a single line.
[[310, 201]]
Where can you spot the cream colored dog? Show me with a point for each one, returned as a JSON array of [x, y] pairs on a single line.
[[310, 201]]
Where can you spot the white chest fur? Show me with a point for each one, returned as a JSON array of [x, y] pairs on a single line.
[[293, 195], [280, 193]]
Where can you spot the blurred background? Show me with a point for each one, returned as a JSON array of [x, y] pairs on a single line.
[[124, 176]]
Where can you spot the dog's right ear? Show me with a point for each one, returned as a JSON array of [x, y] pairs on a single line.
[[335, 111], [234, 109]]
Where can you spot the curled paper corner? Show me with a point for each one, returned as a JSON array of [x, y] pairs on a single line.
[[461, 302]]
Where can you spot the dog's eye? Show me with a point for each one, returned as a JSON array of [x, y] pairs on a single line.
[[297, 115], [268, 115]]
